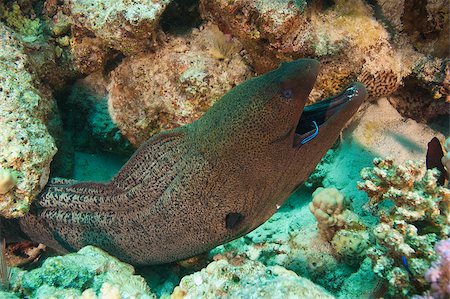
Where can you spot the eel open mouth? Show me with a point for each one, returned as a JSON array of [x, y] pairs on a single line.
[[317, 114]]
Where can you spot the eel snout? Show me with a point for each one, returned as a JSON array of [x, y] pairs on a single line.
[[316, 115]]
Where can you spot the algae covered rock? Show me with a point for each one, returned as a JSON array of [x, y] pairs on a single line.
[[246, 279], [89, 273], [129, 26], [191, 73], [26, 147], [349, 41]]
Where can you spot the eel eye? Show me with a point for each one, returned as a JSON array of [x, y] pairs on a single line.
[[287, 93]]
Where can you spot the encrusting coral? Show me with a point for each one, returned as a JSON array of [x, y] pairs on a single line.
[[351, 245], [178, 89], [26, 147], [414, 214], [243, 278], [347, 39], [88, 273], [127, 26]]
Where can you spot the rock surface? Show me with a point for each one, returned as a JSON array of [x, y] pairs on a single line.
[[89, 273], [246, 279], [129, 26], [347, 39], [26, 147], [191, 74]]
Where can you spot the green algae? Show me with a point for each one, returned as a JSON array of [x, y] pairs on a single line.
[[30, 29]]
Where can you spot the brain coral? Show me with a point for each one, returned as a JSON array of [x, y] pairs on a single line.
[[26, 148], [192, 72]]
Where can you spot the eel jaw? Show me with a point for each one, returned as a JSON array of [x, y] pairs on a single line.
[[321, 112]]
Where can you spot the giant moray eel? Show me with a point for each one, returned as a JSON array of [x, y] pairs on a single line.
[[190, 189]]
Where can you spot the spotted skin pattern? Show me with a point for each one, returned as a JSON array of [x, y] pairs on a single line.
[[190, 189]]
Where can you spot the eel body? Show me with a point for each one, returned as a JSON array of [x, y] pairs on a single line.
[[190, 189]]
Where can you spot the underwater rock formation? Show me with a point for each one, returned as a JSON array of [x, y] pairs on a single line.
[[424, 23], [47, 48], [243, 278], [26, 147], [191, 74], [347, 39], [418, 218], [92, 124], [426, 93], [89, 273], [128, 26]]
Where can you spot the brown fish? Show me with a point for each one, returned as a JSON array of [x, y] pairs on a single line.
[[434, 159], [190, 189]]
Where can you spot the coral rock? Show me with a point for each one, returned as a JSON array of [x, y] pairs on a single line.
[[351, 245], [26, 148], [129, 26], [84, 274], [415, 195], [425, 23], [246, 279], [346, 38], [146, 97]]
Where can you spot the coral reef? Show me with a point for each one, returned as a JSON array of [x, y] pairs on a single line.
[[414, 213], [48, 53], [328, 207], [26, 148], [290, 239], [278, 31], [351, 245], [426, 93], [178, 89], [13, 16], [89, 273], [424, 23], [242, 278], [339, 225], [148, 72], [416, 197], [127, 26], [439, 274], [446, 157]]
